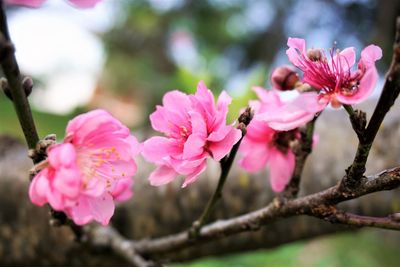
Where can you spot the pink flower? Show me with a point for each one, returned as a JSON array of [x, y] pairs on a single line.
[[333, 77], [89, 170], [195, 129], [262, 145], [285, 116], [38, 3]]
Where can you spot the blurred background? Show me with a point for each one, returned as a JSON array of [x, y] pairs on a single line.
[[124, 55]]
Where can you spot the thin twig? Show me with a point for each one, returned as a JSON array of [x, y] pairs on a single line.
[[226, 164], [389, 222], [11, 71], [301, 151]]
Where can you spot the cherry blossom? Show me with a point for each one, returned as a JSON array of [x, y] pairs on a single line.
[[263, 146], [90, 170], [195, 129]]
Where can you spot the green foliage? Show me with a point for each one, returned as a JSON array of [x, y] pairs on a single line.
[[45, 123], [361, 249]]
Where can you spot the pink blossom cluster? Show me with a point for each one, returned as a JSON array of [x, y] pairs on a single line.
[[95, 164], [195, 129], [90, 170], [332, 80], [275, 123]]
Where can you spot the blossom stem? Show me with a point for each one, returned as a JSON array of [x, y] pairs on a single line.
[[301, 152], [349, 109], [358, 120], [226, 164], [11, 71]]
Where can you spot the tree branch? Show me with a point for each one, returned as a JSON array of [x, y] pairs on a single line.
[[11, 71], [390, 222], [313, 205], [390, 92], [108, 237]]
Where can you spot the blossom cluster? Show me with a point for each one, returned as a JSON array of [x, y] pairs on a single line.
[[94, 165]]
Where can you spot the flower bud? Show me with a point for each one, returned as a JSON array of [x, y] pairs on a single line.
[[27, 85], [284, 78]]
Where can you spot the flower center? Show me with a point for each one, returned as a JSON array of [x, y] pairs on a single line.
[[281, 140], [97, 163], [183, 131]]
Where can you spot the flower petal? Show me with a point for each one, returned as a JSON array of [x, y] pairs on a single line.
[[221, 148], [281, 169], [162, 175], [293, 114], [194, 146], [255, 155]]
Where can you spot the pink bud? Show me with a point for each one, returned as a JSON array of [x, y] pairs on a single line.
[[284, 78]]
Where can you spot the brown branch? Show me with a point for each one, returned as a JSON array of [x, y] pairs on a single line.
[[390, 92], [314, 205], [302, 149], [11, 71], [390, 222], [358, 120], [108, 237]]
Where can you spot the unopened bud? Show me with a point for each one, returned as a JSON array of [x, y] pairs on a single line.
[[284, 78], [27, 85], [5, 88], [314, 54], [246, 116]]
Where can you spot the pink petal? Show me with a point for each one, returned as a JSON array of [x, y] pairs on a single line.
[[169, 121], [96, 187], [269, 97], [224, 100], [194, 146], [62, 155], [199, 126], [259, 131], [187, 166], [29, 3], [297, 49], [370, 54], [100, 209], [365, 88], [295, 113], [123, 189], [162, 175], [38, 188], [347, 58], [191, 178], [205, 97], [281, 169], [177, 101], [255, 155], [157, 148], [68, 182], [84, 3], [222, 148]]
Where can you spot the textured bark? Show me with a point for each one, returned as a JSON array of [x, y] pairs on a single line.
[[26, 238]]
